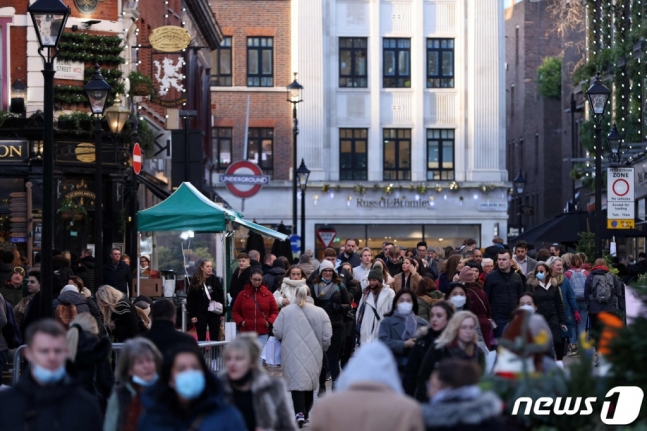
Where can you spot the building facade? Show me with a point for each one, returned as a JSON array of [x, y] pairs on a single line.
[[402, 123]]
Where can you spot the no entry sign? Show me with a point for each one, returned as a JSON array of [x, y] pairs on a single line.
[[137, 159], [244, 179]]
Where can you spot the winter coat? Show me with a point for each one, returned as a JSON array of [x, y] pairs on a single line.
[[62, 273], [464, 409], [210, 409], [426, 301], [6, 271], [287, 291], [353, 259], [394, 267], [246, 310], [370, 313], [12, 295], [595, 307], [197, 302], [503, 291], [443, 282], [94, 310], [271, 408], [273, 278], [480, 306], [166, 338], [424, 343], [118, 276], [32, 314], [118, 403], [305, 334], [391, 330], [568, 298], [549, 305], [3, 321], [432, 268], [30, 406], [307, 268], [88, 263], [398, 282], [75, 298], [92, 366], [337, 305], [239, 279], [126, 324]]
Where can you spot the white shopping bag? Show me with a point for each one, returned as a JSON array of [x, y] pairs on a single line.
[[490, 360], [230, 331], [272, 352]]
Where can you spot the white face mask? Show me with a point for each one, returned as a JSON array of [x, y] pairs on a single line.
[[405, 307], [528, 307], [458, 300]]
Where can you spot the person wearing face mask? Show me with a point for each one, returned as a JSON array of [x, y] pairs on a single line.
[[376, 301], [137, 370], [188, 397], [549, 304], [399, 327], [477, 302], [412, 381], [260, 398], [46, 394], [457, 295]]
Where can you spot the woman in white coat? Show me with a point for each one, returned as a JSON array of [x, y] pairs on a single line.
[[381, 266], [286, 294], [376, 301], [305, 332]]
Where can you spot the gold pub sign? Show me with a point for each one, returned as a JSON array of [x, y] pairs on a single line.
[[13, 151], [169, 38]]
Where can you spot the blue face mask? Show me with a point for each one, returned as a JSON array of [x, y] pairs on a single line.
[[190, 384], [540, 276], [47, 377], [146, 383]]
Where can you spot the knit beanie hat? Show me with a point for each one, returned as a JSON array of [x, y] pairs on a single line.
[[375, 274], [70, 288], [467, 275], [326, 264]]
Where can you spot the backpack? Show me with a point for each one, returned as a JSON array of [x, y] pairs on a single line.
[[578, 279], [65, 313], [10, 331], [602, 288]]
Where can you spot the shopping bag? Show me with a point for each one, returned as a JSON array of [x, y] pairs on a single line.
[[272, 352], [230, 331], [490, 360]]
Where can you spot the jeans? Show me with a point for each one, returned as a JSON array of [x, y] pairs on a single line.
[[331, 357], [302, 401], [500, 325], [581, 327]]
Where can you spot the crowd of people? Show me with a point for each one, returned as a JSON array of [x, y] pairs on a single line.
[[403, 336]]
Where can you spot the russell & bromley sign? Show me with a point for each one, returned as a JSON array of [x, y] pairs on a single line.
[[394, 203]]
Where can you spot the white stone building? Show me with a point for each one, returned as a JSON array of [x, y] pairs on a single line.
[[401, 93]]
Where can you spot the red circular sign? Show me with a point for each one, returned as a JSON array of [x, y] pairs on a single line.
[[137, 159], [249, 170], [620, 187]]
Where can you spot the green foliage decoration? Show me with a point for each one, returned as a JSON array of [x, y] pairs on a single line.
[[549, 78]]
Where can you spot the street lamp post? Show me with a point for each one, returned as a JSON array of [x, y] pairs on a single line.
[[598, 96], [97, 90], [614, 139], [302, 175], [294, 97], [519, 185], [49, 18]]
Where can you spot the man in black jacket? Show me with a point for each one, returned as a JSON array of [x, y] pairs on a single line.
[[349, 255], [46, 395], [116, 273], [163, 333], [503, 288], [87, 262], [240, 277]]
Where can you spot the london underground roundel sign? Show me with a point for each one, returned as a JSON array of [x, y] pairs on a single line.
[[244, 179]]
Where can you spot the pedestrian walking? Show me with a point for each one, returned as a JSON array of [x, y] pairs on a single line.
[[400, 326], [603, 293], [188, 397], [369, 397], [89, 353], [428, 295], [137, 370], [286, 293], [361, 271], [255, 309], [241, 275], [28, 310], [274, 276], [394, 261], [70, 295], [413, 381], [203, 289], [260, 398], [449, 272], [305, 263], [11, 291], [526, 262], [503, 288], [380, 266], [477, 302], [305, 333], [46, 395], [349, 255], [577, 276], [163, 333], [354, 295], [89, 299], [571, 310], [409, 278], [119, 315], [117, 273], [376, 301]]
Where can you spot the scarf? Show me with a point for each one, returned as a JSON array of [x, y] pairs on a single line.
[[410, 325], [325, 289]]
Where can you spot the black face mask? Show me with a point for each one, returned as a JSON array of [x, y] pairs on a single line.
[[243, 380]]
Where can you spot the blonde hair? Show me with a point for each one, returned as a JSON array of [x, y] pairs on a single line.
[[131, 350], [247, 343], [302, 295], [566, 260], [451, 330], [107, 299], [82, 322]]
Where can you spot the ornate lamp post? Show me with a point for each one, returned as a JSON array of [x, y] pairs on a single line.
[[519, 185], [294, 90], [302, 175]]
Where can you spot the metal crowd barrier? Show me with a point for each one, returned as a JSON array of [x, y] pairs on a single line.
[[211, 350]]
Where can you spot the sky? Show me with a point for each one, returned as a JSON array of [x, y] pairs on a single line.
[[508, 3]]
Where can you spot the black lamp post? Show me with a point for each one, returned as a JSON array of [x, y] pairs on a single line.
[[519, 185], [302, 175], [49, 18], [598, 96], [97, 90], [294, 97], [614, 139]]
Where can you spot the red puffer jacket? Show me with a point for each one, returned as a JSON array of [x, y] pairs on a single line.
[[246, 310]]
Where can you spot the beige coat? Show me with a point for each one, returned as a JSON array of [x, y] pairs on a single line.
[[398, 280], [305, 334], [366, 406]]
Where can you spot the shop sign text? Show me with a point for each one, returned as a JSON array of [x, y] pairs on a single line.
[[393, 203], [14, 150]]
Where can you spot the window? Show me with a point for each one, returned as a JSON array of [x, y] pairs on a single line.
[[352, 62], [440, 63], [397, 154], [397, 63], [353, 159], [260, 62], [261, 148], [222, 148], [222, 65], [440, 154]]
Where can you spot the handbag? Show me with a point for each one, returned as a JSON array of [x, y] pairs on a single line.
[[214, 306], [492, 322], [270, 327]]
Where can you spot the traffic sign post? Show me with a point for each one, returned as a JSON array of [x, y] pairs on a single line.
[[295, 244], [621, 212], [326, 235], [137, 158]]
